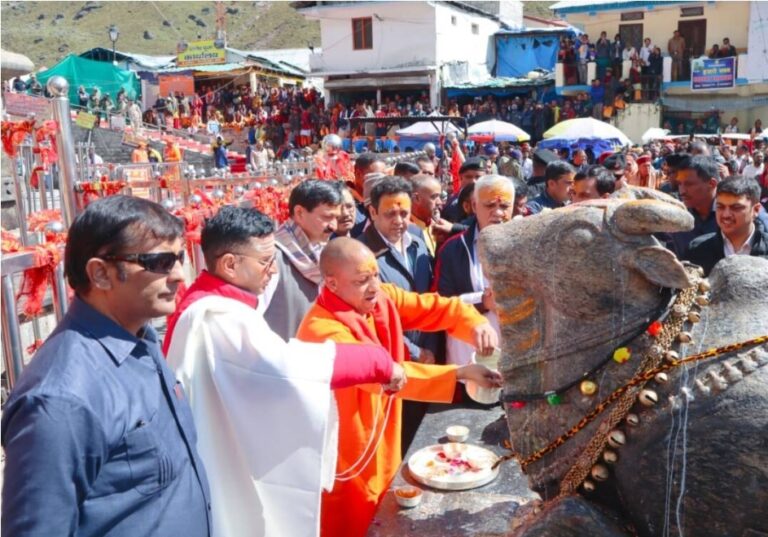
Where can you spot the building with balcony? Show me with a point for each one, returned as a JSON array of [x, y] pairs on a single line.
[[374, 50], [674, 102]]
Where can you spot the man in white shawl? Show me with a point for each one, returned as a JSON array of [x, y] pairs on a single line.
[[263, 406]]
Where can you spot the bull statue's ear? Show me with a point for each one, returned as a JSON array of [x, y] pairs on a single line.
[[658, 265]]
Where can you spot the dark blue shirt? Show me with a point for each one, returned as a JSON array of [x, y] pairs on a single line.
[[681, 240], [99, 439], [543, 201]]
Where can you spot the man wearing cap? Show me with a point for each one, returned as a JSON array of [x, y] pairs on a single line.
[[559, 181], [541, 159], [645, 173], [509, 164], [469, 172], [492, 154]]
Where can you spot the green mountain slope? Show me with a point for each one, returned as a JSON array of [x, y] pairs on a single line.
[[48, 31]]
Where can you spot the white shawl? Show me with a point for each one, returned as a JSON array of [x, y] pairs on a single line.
[[267, 425]]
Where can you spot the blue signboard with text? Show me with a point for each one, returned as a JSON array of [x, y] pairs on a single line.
[[713, 73]]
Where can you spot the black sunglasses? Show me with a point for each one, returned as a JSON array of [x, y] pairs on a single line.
[[159, 263]]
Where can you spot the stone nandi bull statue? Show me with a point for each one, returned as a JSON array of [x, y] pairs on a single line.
[[622, 424]]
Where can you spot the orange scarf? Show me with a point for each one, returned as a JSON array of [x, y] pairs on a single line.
[[388, 328]]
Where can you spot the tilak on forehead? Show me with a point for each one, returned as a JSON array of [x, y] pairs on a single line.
[[397, 201], [367, 264], [495, 194]]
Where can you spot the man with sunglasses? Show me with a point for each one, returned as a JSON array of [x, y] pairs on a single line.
[[98, 435], [263, 405]]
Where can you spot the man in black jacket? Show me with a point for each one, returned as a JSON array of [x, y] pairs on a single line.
[[741, 232]]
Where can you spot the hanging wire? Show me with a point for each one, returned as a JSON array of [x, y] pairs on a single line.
[[173, 27]]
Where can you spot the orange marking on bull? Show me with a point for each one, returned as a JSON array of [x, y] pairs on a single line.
[[520, 312], [528, 343]]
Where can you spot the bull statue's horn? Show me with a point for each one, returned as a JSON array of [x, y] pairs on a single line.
[[642, 217]]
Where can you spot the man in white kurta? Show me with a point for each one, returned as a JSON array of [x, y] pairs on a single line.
[[263, 406]]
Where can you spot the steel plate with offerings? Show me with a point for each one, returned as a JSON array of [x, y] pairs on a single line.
[[453, 466]]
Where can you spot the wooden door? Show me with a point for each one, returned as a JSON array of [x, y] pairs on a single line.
[[695, 35]]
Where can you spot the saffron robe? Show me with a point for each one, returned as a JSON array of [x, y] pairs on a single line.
[[349, 508]]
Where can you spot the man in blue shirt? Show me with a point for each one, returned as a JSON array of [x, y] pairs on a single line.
[[557, 192], [98, 435]]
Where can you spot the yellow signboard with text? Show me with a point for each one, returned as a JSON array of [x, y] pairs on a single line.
[[200, 53]]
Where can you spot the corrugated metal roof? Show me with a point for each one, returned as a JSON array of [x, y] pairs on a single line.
[[150, 63], [219, 68]]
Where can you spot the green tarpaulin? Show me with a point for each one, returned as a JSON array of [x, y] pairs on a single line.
[[92, 74]]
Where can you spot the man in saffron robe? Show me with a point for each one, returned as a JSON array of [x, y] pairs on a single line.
[[354, 306], [263, 406]]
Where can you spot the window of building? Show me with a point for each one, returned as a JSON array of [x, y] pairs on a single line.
[[453, 20], [632, 34], [633, 16], [475, 29], [697, 11], [362, 33]]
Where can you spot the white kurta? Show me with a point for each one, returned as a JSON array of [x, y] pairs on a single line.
[[264, 412]]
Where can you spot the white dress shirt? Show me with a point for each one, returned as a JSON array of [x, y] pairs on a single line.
[[745, 249]]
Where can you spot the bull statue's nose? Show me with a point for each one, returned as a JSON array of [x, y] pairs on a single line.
[[642, 217]]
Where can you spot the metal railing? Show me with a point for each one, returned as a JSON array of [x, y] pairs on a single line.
[[13, 265], [63, 186]]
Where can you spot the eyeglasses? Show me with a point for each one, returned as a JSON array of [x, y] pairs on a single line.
[[265, 264], [159, 263]]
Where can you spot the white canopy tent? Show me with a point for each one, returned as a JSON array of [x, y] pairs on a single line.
[[500, 130]]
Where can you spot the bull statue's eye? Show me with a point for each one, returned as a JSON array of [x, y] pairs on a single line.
[[581, 236]]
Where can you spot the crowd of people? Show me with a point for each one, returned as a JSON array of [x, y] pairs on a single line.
[[646, 62], [368, 298]]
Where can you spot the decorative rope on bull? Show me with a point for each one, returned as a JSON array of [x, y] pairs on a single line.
[[658, 359]]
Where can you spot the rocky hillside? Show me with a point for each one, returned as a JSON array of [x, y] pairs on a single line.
[[48, 31]]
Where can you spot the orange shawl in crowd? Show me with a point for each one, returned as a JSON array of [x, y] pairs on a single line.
[[349, 508]]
